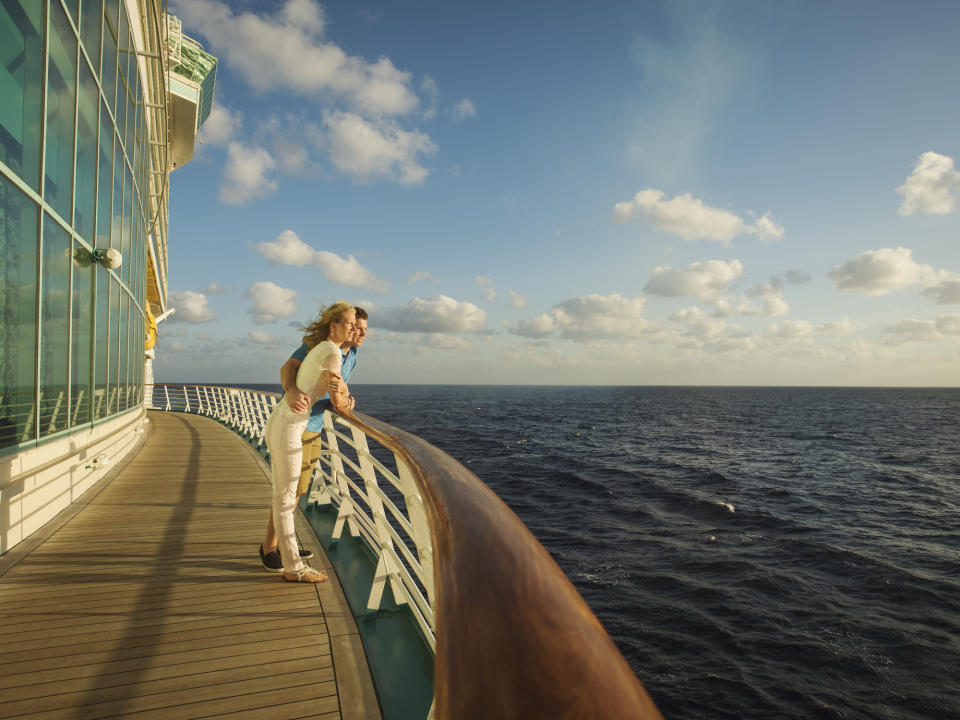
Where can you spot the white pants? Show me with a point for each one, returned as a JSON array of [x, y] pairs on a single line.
[[283, 433]]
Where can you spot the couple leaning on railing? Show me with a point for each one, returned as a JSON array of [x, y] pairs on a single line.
[[314, 378]]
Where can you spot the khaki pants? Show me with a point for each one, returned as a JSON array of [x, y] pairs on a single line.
[[311, 452]]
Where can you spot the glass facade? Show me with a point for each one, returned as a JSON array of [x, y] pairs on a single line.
[[74, 158]]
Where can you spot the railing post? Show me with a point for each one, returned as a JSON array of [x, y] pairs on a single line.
[[419, 525], [166, 395], [386, 566], [347, 510]]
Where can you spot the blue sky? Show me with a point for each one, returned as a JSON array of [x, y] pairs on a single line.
[[568, 193]]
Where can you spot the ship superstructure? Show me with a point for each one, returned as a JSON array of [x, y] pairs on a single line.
[[99, 102]]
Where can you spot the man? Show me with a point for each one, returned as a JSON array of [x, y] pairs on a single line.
[[312, 440]]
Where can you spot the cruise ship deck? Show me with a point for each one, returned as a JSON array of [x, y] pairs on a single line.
[[145, 598]]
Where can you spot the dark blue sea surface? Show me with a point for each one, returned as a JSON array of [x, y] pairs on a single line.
[[754, 552]]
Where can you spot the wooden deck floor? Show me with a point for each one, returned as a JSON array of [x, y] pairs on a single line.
[[151, 601]]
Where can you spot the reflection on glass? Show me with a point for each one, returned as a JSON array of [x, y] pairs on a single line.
[[105, 180], [85, 204], [53, 353], [116, 221], [18, 308], [82, 311], [108, 64], [91, 12], [21, 87], [122, 353], [61, 82], [114, 352], [127, 225], [102, 334]]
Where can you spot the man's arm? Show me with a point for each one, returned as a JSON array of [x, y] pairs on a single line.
[[339, 392], [297, 401]]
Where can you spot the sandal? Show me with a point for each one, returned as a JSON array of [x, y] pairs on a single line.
[[306, 574]]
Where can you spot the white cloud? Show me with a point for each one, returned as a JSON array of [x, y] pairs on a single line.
[[836, 328], [702, 328], [483, 280], [906, 331], [438, 314], [944, 293], [877, 272], [704, 280], [432, 93], [589, 317], [287, 51], [949, 324], [463, 109], [247, 175], [191, 307], [772, 306], [687, 217], [260, 338], [418, 276], [375, 149], [271, 302], [933, 187], [442, 341], [489, 294], [289, 249], [221, 126], [214, 289], [517, 300], [790, 330], [797, 277]]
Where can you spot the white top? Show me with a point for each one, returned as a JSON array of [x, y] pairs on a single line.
[[310, 378]]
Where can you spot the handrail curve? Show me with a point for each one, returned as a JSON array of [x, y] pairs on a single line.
[[514, 637], [511, 635]]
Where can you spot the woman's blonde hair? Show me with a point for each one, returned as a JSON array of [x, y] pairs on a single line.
[[319, 330]]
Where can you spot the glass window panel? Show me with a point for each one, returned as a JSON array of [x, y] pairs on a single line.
[[91, 13], [61, 101], [108, 65], [101, 346], [81, 329], [110, 8], [104, 180], [73, 6], [113, 355], [18, 314], [127, 226], [116, 216], [54, 351], [21, 87], [85, 204]]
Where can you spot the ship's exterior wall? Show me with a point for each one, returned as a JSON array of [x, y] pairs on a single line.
[[76, 175]]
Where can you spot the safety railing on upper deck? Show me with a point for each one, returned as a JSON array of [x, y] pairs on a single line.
[[511, 636]]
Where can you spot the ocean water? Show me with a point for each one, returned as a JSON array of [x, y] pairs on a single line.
[[753, 552]]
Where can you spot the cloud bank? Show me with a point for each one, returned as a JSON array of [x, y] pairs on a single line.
[[688, 218], [289, 249]]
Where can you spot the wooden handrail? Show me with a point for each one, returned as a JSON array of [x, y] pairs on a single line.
[[514, 637]]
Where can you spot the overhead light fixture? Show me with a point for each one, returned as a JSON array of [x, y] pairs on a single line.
[[110, 258]]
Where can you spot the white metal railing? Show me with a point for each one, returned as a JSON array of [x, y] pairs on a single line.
[[375, 502]]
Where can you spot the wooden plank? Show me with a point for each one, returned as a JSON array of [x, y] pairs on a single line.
[[151, 602]]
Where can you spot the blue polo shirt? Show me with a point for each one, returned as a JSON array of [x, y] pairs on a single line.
[[347, 363]]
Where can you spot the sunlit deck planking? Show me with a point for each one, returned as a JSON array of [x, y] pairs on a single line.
[[151, 603]]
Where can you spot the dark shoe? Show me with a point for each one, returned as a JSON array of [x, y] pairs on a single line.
[[271, 561], [305, 554]]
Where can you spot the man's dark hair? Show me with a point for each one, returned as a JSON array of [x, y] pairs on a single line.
[[361, 313]]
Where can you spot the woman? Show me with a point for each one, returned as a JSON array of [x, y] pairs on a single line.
[[319, 374]]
